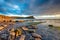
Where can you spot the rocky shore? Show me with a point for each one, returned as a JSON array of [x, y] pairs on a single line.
[[14, 31]]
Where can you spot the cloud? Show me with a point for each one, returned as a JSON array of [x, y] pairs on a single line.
[[31, 7], [46, 7]]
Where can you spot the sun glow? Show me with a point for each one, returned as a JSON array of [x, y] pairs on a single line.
[[18, 15], [47, 16]]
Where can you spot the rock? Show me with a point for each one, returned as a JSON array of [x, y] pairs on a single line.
[[1, 27], [50, 25], [31, 30], [36, 35], [24, 28], [5, 25], [22, 37], [37, 39]]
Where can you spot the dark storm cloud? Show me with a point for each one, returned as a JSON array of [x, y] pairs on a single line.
[[46, 7], [30, 7]]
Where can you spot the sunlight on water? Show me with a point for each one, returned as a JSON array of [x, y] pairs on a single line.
[[48, 33]]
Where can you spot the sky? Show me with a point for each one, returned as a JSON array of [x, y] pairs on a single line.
[[29, 7]]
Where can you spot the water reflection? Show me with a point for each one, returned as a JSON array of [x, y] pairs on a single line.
[[48, 33]]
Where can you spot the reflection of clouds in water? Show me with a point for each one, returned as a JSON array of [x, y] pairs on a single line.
[[48, 33]]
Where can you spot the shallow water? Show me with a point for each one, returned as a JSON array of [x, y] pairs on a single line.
[[48, 33]]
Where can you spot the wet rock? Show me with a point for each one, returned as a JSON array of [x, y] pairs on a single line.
[[31, 30], [22, 37], [37, 39], [1, 28], [24, 28], [50, 25], [36, 35]]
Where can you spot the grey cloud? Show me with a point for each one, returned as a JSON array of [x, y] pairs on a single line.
[[39, 7], [48, 7]]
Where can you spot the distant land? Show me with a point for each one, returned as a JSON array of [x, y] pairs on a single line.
[[15, 17], [29, 17], [4, 17]]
